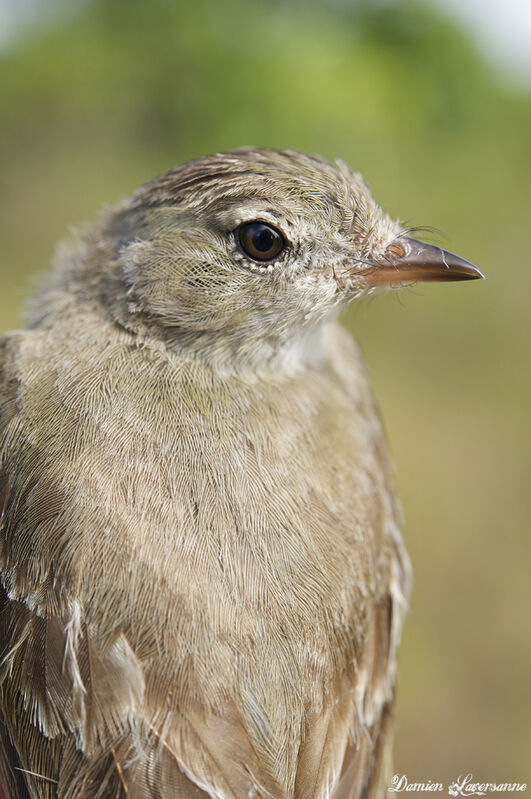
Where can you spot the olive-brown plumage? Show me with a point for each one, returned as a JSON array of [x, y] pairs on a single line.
[[203, 579]]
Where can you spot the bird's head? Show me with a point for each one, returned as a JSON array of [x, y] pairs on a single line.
[[243, 255]]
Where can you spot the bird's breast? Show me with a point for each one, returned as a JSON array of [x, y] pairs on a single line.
[[208, 496], [237, 534]]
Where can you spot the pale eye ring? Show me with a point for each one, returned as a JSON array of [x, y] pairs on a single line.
[[260, 241]]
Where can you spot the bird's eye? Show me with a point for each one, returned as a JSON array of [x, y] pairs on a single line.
[[259, 241]]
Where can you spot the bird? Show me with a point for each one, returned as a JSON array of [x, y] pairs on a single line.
[[203, 579]]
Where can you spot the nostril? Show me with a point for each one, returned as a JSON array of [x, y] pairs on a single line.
[[396, 249]]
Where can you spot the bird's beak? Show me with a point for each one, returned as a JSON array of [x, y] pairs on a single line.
[[409, 260]]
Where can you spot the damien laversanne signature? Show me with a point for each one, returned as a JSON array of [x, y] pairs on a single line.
[[462, 786]]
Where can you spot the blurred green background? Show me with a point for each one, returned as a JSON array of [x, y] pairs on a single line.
[[100, 99]]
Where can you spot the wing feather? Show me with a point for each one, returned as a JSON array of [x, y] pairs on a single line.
[[346, 748]]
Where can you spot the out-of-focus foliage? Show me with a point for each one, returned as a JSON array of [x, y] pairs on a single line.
[[119, 92]]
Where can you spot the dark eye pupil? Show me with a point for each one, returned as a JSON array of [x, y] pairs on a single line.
[[259, 241], [264, 239]]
